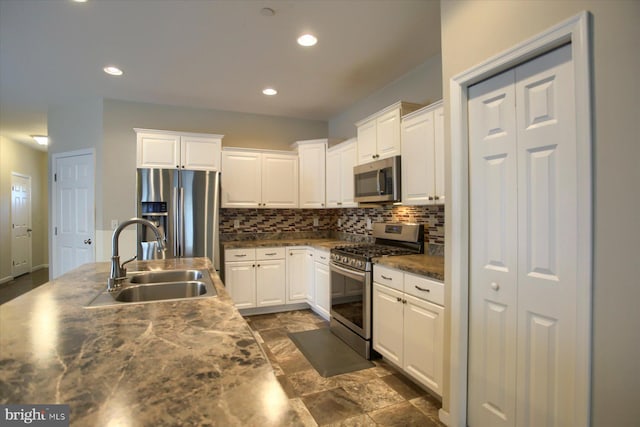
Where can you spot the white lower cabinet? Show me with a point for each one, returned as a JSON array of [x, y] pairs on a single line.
[[322, 290], [299, 274], [408, 330], [259, 280]]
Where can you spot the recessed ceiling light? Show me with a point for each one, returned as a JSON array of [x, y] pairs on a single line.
[[269, 91], [41, 139], [80, 1], [114, 71], [307, 40]]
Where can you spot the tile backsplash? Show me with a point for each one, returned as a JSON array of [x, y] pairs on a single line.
[[350, 221]]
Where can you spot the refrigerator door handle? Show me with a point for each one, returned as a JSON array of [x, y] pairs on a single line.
[[181, 221], [175, 221]]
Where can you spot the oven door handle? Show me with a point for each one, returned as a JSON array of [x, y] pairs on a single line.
[[353, 274]]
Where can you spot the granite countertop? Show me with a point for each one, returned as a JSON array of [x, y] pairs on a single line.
[[314, 242], [425, 265], [190, 362]]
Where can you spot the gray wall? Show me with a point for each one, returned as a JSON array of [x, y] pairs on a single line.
[[239, 130], [20, 158], [422, 85], [473, 31]]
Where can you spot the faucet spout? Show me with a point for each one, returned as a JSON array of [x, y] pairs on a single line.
[[118, 272]]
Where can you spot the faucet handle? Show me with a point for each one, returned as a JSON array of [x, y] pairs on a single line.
[[124, 270]]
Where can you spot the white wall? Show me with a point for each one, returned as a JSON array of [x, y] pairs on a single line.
[[422, 85], [473, 31]]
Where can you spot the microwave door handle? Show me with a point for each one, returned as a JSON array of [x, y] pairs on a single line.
[[378, 182]]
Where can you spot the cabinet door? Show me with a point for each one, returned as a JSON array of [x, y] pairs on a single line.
[[334, 197], [417, 159], [347, 185], [387, 323], [312, 175], [388, 134], [240, 280], [367, 142], [423, 342], [310, 294], [241, 179], [270, 282], [322, 289], [158, 151], [279, 180], [439, 155], [200, 153], [296, 275]]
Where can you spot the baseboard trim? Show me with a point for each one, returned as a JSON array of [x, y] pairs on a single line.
[[6, 279], [39, 267], [444, 417]]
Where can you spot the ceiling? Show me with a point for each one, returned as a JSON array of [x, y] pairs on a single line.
[[216, 54]]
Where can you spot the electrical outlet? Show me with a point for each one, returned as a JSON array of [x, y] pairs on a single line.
[[114, 224], [369, 226], [316, 222], [236, 223], [339, 222]]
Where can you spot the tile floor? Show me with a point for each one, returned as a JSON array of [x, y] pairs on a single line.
[[378, 396], [23, 284]]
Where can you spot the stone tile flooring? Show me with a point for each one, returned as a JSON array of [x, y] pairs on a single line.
[[377, 396]]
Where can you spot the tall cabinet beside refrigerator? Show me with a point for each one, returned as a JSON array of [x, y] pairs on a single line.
[[184, 204]]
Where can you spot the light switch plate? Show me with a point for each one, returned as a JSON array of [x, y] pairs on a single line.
[[316, 222]]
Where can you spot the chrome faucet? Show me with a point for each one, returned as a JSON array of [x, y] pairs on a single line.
[[118, 272]]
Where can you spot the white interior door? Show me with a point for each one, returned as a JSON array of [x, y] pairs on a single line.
[[74, 221], [20, 224], [523, 253]]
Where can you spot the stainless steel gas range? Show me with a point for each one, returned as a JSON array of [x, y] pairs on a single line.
[[352, 280]]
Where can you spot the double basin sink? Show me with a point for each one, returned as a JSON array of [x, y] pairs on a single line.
[[155, 286]]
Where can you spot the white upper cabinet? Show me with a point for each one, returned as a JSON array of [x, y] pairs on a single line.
[[379, 134], [254, 179], [423, 156], [279, 180], [341, 159], [311, 157], [170, 150]]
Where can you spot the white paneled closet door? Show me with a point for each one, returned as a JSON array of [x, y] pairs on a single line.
[[523, 260]]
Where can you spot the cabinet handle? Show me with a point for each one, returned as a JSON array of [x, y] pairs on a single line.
[[386, 278], [373, 156], [182, 166], [258, 265], [240, 255], [423, 290], [339, 203], [290, 253], [495, 286], [404, 301], [430, 197], [178, 166], [323, 257], [436, 198], [271, 254], [253, 266], [399, 299]]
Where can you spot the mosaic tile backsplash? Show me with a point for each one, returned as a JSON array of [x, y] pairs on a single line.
[[350, 221]]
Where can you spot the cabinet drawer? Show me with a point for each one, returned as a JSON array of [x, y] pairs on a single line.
[[322, 256], [270, 253], [424, 288], [388, 277], [245, 254]]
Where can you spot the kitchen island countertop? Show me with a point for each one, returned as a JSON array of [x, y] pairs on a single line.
[[189, 362]]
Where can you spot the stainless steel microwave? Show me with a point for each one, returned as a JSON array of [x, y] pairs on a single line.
[[378, 181]]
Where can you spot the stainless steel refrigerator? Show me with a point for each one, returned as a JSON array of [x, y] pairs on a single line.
[[184, 204]]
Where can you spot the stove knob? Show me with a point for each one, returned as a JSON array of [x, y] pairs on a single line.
[[359, 264], [344, 259]]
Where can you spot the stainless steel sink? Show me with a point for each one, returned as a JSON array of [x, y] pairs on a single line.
[[156, 286], [167, 276]]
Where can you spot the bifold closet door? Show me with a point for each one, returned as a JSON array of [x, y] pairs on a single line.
[[523, 251]]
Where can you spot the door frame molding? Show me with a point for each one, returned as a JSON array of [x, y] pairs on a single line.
[[575, 31], [53, 220], [28, 177]]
